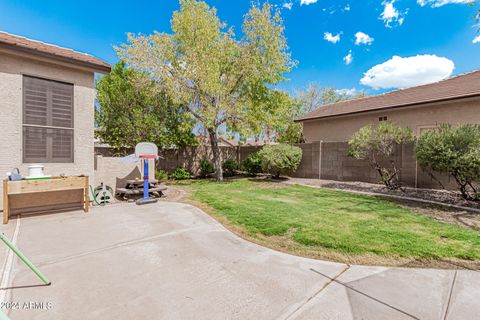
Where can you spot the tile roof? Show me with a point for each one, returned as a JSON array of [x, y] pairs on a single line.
[[461, 86], [39, 48]]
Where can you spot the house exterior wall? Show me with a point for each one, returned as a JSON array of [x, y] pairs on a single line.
[[12, 68], [418, 118]]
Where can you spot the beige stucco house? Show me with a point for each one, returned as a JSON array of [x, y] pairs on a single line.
[[455, 101], [46, 106]]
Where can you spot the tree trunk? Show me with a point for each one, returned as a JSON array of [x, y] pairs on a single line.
[[216, 154]]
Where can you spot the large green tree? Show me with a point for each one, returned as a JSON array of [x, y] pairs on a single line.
[[275, 124], [132, 109], [286, 129], [221, 78]]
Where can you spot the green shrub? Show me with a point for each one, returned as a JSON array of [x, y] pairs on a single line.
[[206, 168], [454, 151], [161, 175], [181, 174], [280, 159], [252, 163], [377, 146], [229, 167]]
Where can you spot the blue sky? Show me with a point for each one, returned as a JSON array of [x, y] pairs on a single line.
[[438, 32]]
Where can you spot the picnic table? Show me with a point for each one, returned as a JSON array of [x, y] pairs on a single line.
[[135, 187]]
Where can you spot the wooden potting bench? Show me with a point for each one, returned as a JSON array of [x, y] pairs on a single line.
[[47, 185]]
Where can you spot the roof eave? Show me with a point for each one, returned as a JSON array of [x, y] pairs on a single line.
[[100, 68], [387, 108]]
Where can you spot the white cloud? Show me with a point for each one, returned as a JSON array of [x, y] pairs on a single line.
[[348, 58], [307, 2], [390, 15], [439, 3], [288, 5], [476, 39], [363, 38], [332, 38], [347, 7], [347, 92], [407, 72]]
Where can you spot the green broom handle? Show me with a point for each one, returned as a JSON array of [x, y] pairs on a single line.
[[3, 316], [24, 259]]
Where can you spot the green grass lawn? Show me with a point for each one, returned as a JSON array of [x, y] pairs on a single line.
[[310, 220]]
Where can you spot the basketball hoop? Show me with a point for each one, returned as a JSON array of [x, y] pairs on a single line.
[[145, 151]]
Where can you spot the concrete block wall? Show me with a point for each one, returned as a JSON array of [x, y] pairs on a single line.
[[191, 157], [425, 180], [320, 160], [337, 165], [310, 165], [111, 169], [409, 165], [244, 151]]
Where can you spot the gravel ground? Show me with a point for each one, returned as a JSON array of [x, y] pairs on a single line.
[[172, 194]]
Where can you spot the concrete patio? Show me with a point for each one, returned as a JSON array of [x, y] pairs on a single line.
[[172, 261]]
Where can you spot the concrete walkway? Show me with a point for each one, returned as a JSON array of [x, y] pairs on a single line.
[[172, 261]]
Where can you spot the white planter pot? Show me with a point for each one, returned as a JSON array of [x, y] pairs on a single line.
[[35, 170]]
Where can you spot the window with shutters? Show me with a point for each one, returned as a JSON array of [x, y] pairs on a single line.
[[47, 121]]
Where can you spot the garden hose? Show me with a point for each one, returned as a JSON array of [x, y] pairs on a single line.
[[94, 197]]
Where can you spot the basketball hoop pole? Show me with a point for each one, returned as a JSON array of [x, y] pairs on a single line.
[[145, 151], [145, 179]]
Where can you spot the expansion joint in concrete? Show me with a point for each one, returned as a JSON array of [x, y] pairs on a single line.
[[119, 245], [298, 310], [365, 294], [450, 294]]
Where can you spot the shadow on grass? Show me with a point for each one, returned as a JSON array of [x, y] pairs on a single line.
[[264, 179]]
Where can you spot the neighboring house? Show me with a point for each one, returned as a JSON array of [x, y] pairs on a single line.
[[455, 101], [47, 107]]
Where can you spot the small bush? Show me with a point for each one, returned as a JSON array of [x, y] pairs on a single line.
[[280, 159], [161, 175], [375, 144], [206, 168], [252, 163], [454, 151], [181, 174], [229, 167]]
